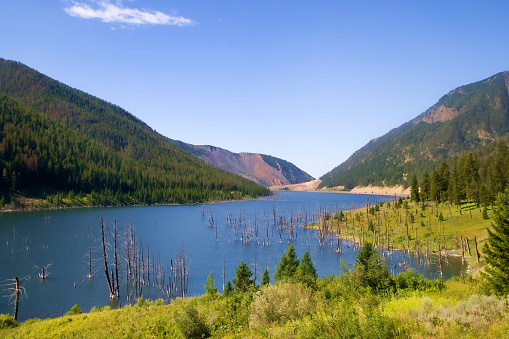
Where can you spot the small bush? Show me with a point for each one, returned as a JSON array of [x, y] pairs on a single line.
[[338, 320], [281, 303], [6, 321], [381, 326], [31, 321], [191, 324], [478, 313], [414, 281], [74, 310]]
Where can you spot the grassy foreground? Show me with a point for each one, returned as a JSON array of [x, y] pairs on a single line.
[[336, 308]]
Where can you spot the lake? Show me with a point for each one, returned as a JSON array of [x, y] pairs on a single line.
[[215, 238]]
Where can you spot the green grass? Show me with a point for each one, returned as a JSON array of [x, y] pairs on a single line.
[[426, 230], [338, 307]]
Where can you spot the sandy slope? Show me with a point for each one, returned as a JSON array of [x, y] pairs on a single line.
[[379, 190], [312, 186], [305, 186]]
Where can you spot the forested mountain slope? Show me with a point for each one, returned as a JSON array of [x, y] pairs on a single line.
[[262, 169], [57, 140], [466, 119]]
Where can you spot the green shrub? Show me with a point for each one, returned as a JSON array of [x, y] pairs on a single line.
[[281, 303], [74, 310], [339, 319], [477, 313], [191, 324], [7, 321], [31, 321], [414, 281], [381, 326]]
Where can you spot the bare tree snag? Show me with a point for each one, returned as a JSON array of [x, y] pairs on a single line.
[[110, 286]]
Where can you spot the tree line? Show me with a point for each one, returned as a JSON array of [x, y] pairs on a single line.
[[474, 176]]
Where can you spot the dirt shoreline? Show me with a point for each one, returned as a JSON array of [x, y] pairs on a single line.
[[312, 186]]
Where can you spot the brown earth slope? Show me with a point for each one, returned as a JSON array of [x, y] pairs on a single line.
[[262, 169]]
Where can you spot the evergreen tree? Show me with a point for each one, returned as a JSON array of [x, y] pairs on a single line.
[[265, 278], [306, 272], [499, 167], [414, 189], [425, 186], [496, 249], [369, 269], [455, 192], [228, 288], [242, 281], [210, 287], [287, 265]]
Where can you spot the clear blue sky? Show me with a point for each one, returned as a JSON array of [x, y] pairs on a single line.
[[307, 81]]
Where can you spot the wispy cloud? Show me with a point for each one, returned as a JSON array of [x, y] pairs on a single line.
[[117, 13]]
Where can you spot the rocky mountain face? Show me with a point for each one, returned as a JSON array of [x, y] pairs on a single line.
[[466, 119], [262, 169]]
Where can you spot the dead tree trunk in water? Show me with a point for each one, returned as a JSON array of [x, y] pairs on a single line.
[[440, 261], [89, 275], [116, 263], [108, 280], [17, 292], [478, 256]]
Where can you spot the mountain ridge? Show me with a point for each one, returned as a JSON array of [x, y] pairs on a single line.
[[465, 119], [263, 169], [57, 141]]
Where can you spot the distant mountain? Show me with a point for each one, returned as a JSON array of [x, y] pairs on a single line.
[[465, 119], [61, 142], [262, 169]]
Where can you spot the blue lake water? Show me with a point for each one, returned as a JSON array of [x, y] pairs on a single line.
[[61, 240]]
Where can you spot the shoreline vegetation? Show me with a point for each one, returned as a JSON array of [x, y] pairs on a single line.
[[422, 228], [25, 204]]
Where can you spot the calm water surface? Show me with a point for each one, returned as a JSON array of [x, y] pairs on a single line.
[[61, 241]]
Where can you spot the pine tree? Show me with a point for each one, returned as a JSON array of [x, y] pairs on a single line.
[[306, 272], [228, 288], [425, 186], [287, 265], [265, 278], [369, 269], [496, 249], [210, 287], [414, 189], [455, 191], [242, 281]]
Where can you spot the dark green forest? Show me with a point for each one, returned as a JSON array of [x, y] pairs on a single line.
[[474, 176], [60, 143], [479, 114]]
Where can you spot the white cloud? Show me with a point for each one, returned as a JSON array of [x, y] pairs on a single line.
[[116, 13]]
